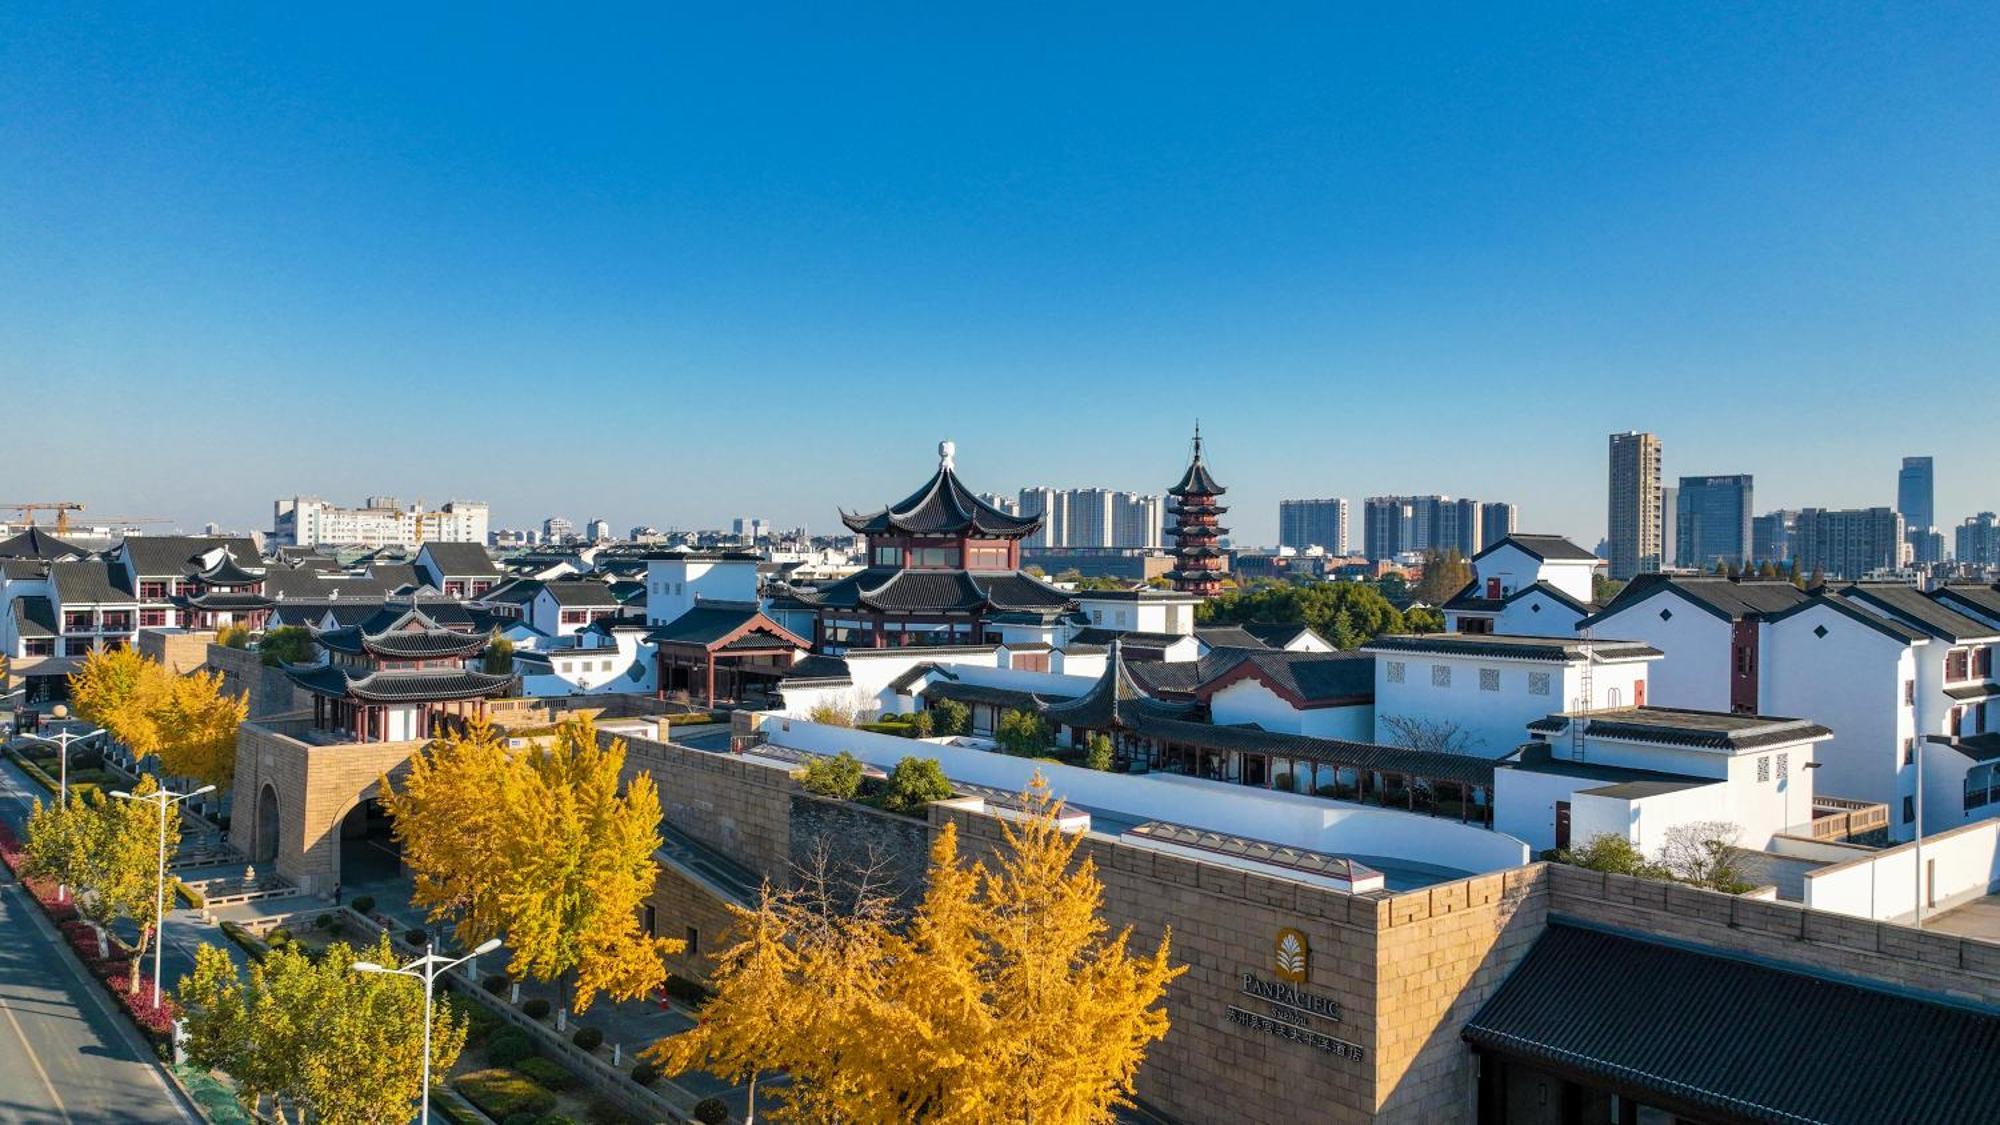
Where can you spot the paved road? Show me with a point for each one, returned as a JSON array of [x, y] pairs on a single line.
[[64, 1056]]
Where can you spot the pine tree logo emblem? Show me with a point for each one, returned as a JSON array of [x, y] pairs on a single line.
[[1293, 956]]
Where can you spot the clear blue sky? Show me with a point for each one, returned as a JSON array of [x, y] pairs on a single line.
[[673, 266]]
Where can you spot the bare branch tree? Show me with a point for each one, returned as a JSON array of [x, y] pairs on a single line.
[[1703, 852], [1419, 733]]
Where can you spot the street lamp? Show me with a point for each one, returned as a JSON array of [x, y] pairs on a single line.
[[427, 969], [165, 800], [61, 741]]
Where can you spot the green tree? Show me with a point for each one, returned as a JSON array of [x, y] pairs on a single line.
[[1098, 755], [1603, 590], [287, 644], [835, 776], [1614, 854], [1767, 569], [953, 717], [339, 1047], [914, 783], [1022, 734], [499, 657], [1347, 614], [923, 724], [1423, 619], [233, 636]]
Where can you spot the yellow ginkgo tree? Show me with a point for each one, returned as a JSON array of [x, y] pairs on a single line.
[[1002, 997], [547, 847]]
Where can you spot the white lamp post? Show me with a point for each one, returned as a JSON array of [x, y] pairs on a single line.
[[427, 969], [61, 741], [165, 800]]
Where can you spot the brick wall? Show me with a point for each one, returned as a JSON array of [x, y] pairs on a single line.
[[1443, 950], [179, 651], [271, 691], [1207, 1068], [854, 837], [315, 787], [1781, 931], [740, 808], [680, 902]]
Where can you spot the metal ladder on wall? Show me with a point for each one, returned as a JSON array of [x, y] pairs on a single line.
[[1586, 687]]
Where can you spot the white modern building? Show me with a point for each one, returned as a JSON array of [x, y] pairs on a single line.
[[309, 521], [1526, 585], [1476, 695], [1638, 772]]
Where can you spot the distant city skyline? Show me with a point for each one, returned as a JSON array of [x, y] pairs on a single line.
[[1261, 522], [732, 261]]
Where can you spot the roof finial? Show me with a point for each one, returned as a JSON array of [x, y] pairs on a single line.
[[1197, 439], [946, 451]]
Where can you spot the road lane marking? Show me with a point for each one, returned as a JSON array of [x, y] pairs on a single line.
[[34, 1060]]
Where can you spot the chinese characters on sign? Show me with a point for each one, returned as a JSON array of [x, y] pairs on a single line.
[[1290, 1014]]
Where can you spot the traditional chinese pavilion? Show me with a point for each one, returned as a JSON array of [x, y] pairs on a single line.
[[215, 590], [398, 675], [941, 563], [1198, 554]]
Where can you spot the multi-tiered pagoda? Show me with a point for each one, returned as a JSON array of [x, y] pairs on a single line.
[[942, 564], [1198, 554], [399, 675]]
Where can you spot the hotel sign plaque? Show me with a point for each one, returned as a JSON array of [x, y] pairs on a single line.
[[1290, 1011]]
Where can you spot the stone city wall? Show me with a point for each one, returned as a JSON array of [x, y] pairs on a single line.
[[271, 691], [691, 910], [850, 837], [180, 651], [740, 808], [290, 797], [1227, 921], [1781, 931]]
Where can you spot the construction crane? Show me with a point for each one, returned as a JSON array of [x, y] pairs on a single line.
[[62, 509]]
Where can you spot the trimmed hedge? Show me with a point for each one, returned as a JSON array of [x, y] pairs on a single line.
[[589, 1038], [547, 1073], [645, 1073], [535, 1008], [508, 1046], [500, 1093], [711, 1111], [364, 904]]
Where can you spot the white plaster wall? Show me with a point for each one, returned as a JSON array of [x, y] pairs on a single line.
[[672, 585], [1964, 864], [1524, 806], [1851, 682], [1695, 670], [1537, 615], [1248, 701], [1494, 721], [1285, 818]]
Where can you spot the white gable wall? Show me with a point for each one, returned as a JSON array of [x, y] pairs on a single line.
[[1850, 681], [1694, 673]]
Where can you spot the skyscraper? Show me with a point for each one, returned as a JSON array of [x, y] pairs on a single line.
[[1670, 525], [1916, 495], [1712, 521], [1771, 536], [1847, 542], [1052, 504], [1634, 512], [1090, 517], [1497, 520], [1137, 520], [1396, 525], [1304, 524], [1978, 540]]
